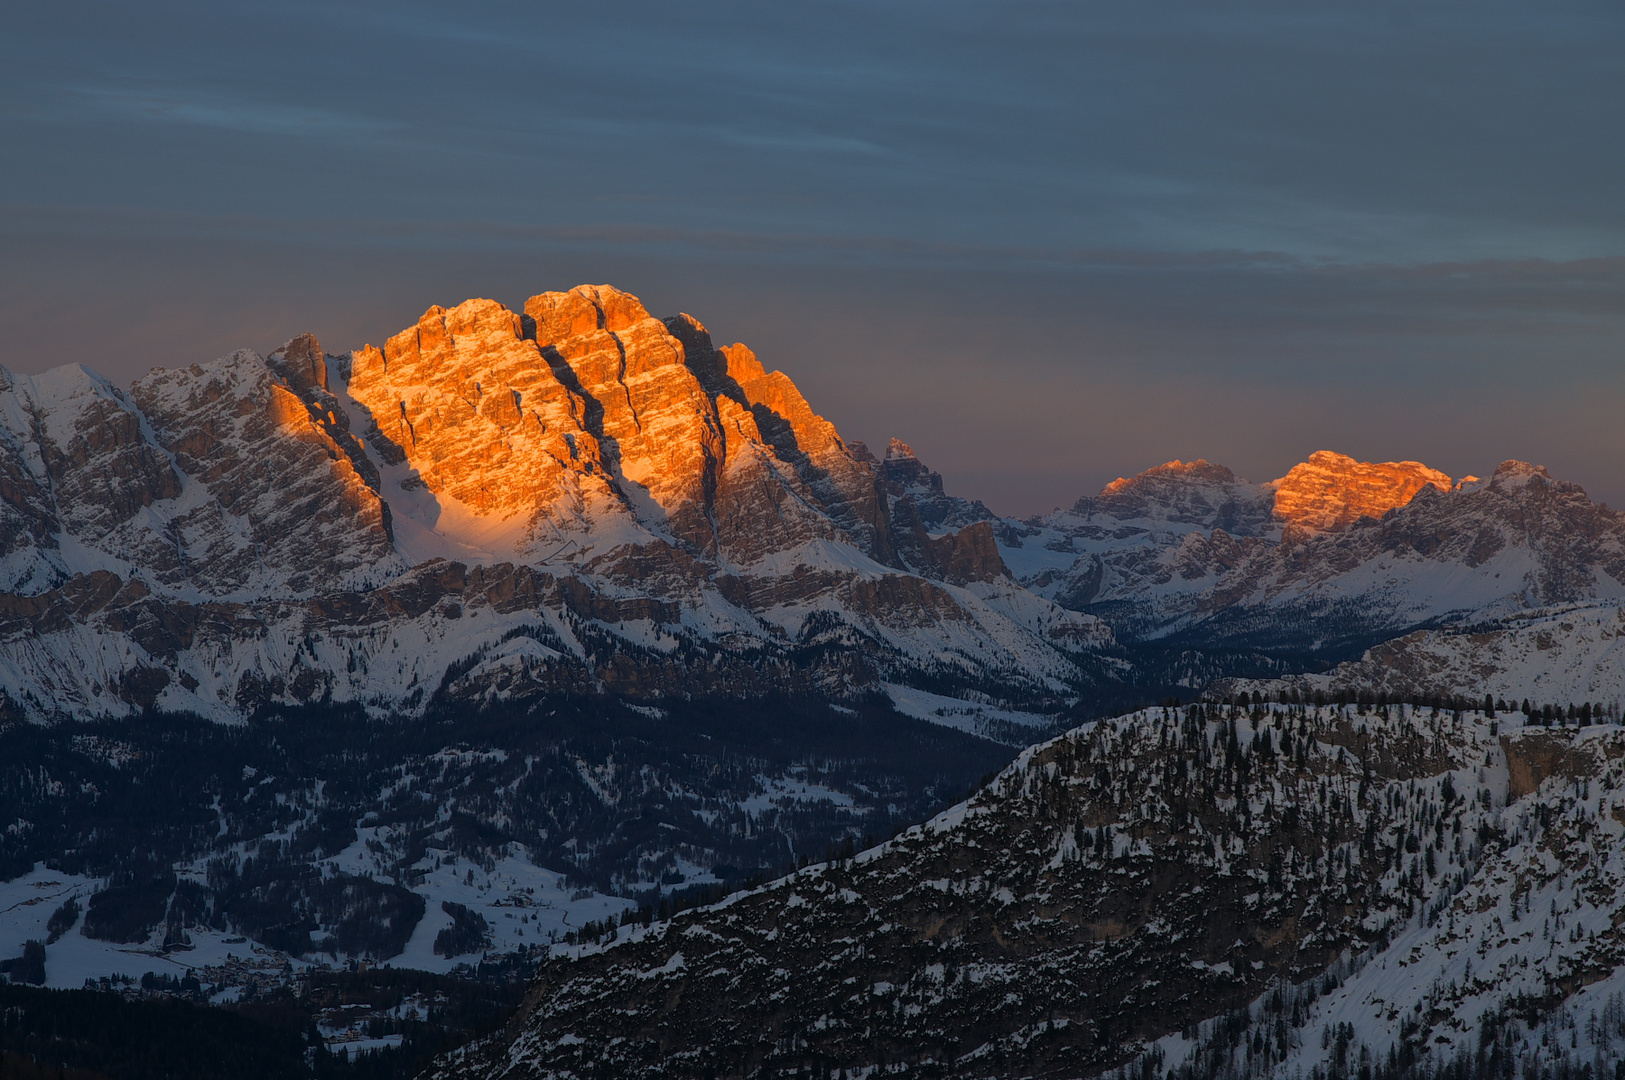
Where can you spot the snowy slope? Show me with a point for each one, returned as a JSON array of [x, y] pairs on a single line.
[[1337, 554], [1549, 656]]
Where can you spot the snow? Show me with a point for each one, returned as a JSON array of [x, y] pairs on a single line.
[[525, 905], [957, 713], [27, 902]]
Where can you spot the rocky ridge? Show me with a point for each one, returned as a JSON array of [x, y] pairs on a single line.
[[233, 536], [1331, 491]]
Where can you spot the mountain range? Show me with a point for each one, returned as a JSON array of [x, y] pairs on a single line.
[[495, 504]]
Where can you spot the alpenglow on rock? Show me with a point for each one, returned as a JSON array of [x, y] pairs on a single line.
[[494, 504]]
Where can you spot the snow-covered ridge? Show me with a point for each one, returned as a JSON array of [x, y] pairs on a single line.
[[254, 531], [1562, 655], [1333, 557]]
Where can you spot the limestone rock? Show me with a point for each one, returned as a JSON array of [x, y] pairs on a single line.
[[1340, 553], [468, 403], [672, 518]]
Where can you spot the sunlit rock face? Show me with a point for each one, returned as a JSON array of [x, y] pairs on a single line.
[[1184, 493], [466, 402], [770, 427], [656, 427], [1332, 490], [585, 409]]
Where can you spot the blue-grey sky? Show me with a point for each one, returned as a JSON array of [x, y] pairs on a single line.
[[1046, 243]]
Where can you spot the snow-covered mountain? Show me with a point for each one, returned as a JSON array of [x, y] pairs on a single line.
[[495, 504], [1201, 892], [573, 596], [1331, 558]]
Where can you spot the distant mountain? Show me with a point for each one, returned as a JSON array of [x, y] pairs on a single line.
[[1198, 893], [1332, 558]]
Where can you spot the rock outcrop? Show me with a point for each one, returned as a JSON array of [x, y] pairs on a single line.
[[1334, 557]]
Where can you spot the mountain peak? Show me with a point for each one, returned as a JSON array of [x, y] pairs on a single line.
[[1200, 470], [1513, 471], [301, 363], [1331, 491]]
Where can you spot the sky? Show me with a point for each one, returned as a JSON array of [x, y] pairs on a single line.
[[1047, 244]]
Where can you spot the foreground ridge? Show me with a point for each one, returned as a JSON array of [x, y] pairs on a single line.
[[1395, 887]]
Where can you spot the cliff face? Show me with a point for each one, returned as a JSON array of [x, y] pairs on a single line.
[[305, 526], [585, 417]]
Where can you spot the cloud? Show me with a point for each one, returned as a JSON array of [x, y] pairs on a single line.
[[193, 107]]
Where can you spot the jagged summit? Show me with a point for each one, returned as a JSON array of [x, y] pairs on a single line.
[[1178, 493], [586, 415], [1331, 491], [1336, 555], [1326, 493]]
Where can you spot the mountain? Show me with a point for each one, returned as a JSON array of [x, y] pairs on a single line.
[[493, 505], [1197, 892], [1335, 556]]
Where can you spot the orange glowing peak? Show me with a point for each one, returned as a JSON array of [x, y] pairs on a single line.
[[1331, 491]]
